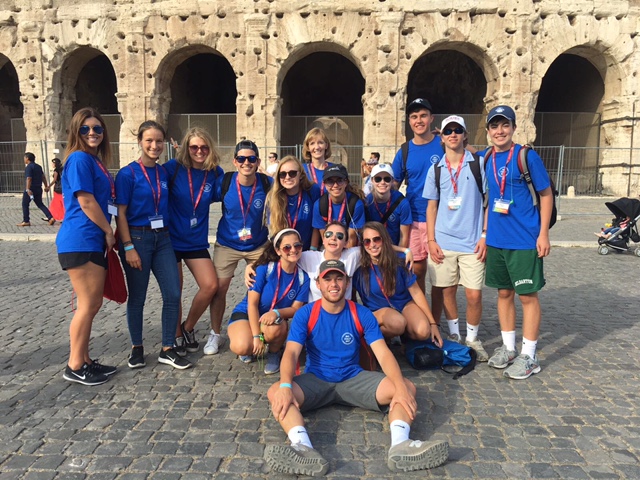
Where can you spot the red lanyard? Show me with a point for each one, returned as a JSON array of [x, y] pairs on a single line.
[[156, 196], [253, 191], [275, 300], [503, 182], [295, 218], [312, 171], [197, 201], [454, 178], [380, 285], [108, 175], [341, 214], [375, 204]]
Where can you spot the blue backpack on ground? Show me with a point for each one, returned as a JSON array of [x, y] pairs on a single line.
[[425, 355]]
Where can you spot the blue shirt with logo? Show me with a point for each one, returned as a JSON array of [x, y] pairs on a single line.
[[419, 161], [375, 299], [333, 346], [140, 195], [186, 237], [357, 217], [400, 216], [310, 170], [303, 214], [518, 229], [78, 233], [266, 284], [238, 219]]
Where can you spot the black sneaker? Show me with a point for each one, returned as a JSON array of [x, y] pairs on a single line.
[[180, 346], [136, 359], [190, 340], [170, 357], [107, 370], [84, 375]]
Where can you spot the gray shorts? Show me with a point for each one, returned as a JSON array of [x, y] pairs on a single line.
[[359, 391]]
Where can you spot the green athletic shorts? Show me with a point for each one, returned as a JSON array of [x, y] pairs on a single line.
[[519, 270]]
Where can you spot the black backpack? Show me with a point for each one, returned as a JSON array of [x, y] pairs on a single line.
[[324, 208], [226, 182], [475, 170]]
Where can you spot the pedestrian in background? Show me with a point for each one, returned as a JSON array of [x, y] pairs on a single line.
[[34, 178]]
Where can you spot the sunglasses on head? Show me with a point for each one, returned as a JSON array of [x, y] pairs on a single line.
[[242, 158], [329, 234], [195, 148], [287, 248], [85, 129], [292, 174], [382, 179], [369, 241], [449, 131], [330, 182]]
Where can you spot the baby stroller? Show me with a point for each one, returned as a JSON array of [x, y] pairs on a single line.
[[624, 227]]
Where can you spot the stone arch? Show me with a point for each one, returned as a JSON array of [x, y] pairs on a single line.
[[11, 108]]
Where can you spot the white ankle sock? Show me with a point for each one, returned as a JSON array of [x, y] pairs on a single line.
[[454, 329], [509, 339], [399, 432], [299, 435], [529, 347], [472, 332]]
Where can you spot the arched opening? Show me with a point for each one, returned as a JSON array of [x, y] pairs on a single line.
[[12, 130], [454, 84], [324, 89], [198, 87]]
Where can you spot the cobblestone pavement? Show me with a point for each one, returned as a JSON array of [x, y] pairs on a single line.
[[578, 418]]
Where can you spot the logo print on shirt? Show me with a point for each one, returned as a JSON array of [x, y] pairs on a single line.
[[163, 185], [435, 159], [347, 338], [207, 187], [503, 171], [392, 217], [292, 295], [257, 203], [306, 209]]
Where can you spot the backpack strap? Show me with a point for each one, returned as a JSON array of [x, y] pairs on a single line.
[[371, 361], [351, 208], [437, 172], [313, 318], [174, 176], [391, 209], [324, 207], [404, 149], [226, 182], [475, 168], [523, 165]]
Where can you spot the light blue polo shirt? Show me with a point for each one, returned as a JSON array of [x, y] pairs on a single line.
[[457, 230]]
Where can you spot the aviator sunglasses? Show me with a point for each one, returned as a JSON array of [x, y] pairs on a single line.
[[329, 234], [195, 148], [287, 248], [369, 241], [449, 131], [85, 129], [242, 159], [292, 174], [382, 179]]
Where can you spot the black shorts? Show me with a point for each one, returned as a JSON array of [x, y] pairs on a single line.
[[77, 259], [204, 253]]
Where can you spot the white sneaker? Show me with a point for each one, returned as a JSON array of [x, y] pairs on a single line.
[[213, 344]]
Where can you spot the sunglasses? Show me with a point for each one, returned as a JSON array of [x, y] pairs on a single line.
[[369, 241], [242, 159], [291, 173], [85, 129], [330, 182], [449, 131], [329, 234], [287, 248], [382, 179], [202, 148]]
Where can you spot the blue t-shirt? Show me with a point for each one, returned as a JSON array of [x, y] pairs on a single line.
[[78, 233], [315, 175], [34, 171], [419, 161], [333, 347], [357, 217], [301, 216], [518, 229], [400, 216], [375, 299], [233, 225], [140, 195], [266, 284], [184, 236], [457, 230]]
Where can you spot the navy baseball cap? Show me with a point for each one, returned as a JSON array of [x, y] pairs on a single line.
[[501, 111], [246, 144], [418, 104]]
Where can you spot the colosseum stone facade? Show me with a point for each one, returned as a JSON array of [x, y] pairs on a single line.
[[273, 68]]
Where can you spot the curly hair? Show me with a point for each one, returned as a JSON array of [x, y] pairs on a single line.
[[388, 261]]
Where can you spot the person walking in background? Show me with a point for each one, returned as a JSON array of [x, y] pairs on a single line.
[[86, 235], [56, 207], [34, 178], [143, 214]]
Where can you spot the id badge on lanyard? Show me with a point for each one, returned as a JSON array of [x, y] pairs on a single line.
[[156, 222], [454, 203], [500, 205], [244, 234], [112, 208]]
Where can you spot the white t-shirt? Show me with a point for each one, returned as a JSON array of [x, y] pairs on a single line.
[[310, 262]]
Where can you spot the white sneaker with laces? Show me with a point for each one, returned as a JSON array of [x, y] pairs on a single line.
[[213, 344]]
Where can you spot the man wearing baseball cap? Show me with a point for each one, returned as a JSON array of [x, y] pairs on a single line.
[[328, 328], [517, 241], [411, 164], [388, 206], [455, 190]]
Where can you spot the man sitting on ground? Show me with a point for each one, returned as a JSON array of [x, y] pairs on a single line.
[[333, 375]]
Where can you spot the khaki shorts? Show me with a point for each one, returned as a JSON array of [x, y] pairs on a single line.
[[226, 259], [457, 268], [418, 241]]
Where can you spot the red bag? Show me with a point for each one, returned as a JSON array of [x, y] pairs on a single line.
[[114, 286]]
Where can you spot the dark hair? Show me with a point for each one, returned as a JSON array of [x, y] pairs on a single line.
[[270, 254], [275, 155], [376, 154], [30, 156], [148, 125], [75, 142], [57, 162], [388, 261], [341, 225]]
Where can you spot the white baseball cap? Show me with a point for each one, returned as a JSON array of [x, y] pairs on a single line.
[[382, 168], [453, 119]]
